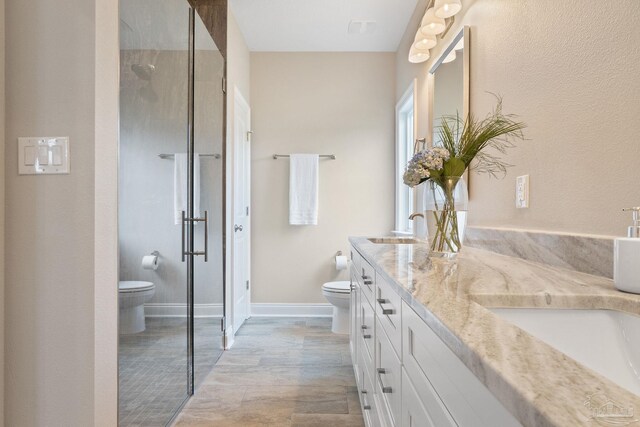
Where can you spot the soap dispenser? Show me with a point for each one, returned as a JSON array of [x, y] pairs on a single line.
[[626, 258]]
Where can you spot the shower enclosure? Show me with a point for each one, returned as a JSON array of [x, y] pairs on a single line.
[[171, 202]]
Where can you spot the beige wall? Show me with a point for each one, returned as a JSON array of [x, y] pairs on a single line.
[[238, 76], [570, 70], [49, 276], [326, 103]]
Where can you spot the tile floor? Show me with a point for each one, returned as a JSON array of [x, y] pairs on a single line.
[[153, 368], [279, 372]]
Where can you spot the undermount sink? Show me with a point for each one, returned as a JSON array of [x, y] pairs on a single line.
[[394, 240], [605, 341]]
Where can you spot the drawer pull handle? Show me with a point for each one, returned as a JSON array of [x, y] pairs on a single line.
[[385, 310], [368, 282], [365, 335], [365, 405], [385, 390]]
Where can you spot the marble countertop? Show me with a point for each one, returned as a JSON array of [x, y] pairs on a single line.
[[538, 384]]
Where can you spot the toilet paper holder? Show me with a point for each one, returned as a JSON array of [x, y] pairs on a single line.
[[155, 253]]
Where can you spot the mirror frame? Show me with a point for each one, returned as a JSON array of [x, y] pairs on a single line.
[[466, 71]]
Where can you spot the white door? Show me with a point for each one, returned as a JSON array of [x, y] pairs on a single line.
[[241, 210]]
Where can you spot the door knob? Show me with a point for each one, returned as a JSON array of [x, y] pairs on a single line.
[[237, 228]]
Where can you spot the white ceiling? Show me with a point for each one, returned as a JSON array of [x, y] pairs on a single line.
[[321, 25]]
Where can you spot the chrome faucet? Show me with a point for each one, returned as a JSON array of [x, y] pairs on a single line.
[[415, 215]]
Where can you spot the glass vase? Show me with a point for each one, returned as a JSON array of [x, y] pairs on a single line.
[[446, 205]]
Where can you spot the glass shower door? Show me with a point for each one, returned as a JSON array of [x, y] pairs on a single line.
[[154, 368], [208, 289]]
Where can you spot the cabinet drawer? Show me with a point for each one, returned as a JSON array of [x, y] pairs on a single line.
[[368, 281], [432, 365], [367, 329], [422, 408], [388, 310], [388, 376]]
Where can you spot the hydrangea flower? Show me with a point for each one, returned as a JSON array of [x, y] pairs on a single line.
[[420, 166]]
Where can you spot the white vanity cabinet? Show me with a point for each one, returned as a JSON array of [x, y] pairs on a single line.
[[406, 375], [362, 338]]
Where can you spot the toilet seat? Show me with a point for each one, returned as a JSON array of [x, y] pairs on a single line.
[[134, 286], [342, 287]]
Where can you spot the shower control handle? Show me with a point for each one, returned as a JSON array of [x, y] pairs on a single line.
[[237, 228]]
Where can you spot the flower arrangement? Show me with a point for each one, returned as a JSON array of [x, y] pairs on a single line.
[[463, 144]]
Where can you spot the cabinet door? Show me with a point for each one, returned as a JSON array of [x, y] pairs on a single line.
[[368, 281], [414, 412], [388, 310], [431, 365], [388, 377], [367, 331], [367, 395], [354, 322]]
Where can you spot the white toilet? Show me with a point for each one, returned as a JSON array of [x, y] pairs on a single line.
[[131, 298], [339, 294]]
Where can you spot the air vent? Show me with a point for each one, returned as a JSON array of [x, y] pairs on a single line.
[[362, 27]]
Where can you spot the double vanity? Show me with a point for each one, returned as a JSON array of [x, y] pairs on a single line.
[[488, 340]]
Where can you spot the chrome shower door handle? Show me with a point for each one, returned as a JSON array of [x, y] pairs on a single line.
[[206, 236], [183, 234]]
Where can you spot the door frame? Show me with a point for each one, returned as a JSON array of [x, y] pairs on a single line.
[[238, 99]]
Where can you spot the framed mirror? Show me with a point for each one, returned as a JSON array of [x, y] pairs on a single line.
[[449, 83]]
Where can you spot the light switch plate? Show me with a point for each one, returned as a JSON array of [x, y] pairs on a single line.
[[522, 192], [43, 155]]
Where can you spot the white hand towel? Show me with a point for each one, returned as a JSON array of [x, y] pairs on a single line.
[[180, 193], [303, 189]]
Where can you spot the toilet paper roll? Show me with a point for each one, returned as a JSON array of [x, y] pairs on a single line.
[[341, 262], [150, 262]]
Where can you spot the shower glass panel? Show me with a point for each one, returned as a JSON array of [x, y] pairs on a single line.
[[209, 67], [208, 137], [154, 87]]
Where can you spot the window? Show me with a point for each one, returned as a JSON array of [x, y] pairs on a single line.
[[405, 138]]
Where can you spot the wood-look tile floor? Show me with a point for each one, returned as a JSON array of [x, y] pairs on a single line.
[[279, 372]]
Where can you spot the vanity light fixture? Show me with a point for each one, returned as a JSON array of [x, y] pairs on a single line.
[[437, 20], [447, 8], [424, 41], [431, 24], [416, 56]]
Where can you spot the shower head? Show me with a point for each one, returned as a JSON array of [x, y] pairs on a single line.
[[143, 72]]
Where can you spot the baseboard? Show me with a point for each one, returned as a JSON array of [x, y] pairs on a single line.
[[180, 310], [291, 310]]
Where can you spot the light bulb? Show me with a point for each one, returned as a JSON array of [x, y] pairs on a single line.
[[447, 8], [424, 41], [416, 56], [431, 24]]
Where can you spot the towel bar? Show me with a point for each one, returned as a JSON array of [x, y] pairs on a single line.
[[171, 156], [324, 156]]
